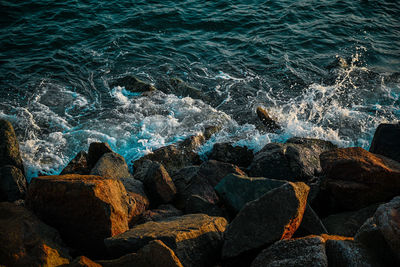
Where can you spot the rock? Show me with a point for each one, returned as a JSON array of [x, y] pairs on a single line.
[[225, 152], [290, 161], [381, 233], [274, 216], [111, 165], [133, 84], [12, 183], [211, 130], [154, 254], [135, 190], [195, 238], [307, 251], [84, 208], [200, 186], [181, 180], [26, 241], [179, 88], [237, 190], [78, 165], [311, 224], [82, 261], [9, 146], [197, 204], [356, 178], [348, 223], [96, 151], [213, 171], [386, 141], [162, 212], [349, 253], [267, 120]]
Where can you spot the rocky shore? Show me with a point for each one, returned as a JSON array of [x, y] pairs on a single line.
[[304, 202]]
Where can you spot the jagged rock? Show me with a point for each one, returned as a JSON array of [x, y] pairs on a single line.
[[84, 208], [237, 190], [96, 151], [133, 84], [9, 146], [211, 130], [195, 238], [12, 183], [135, 190], [386, 141], [381, 233], [82, 261], [179, 88], [298, 159], [225, 152], [154, 254], [348, 223], [307, 251], [181, 180], [214, 171], [111, 165], [162, 212], [197, 204], [78, 165], [270, 123], [311, 224], [26, 241], [356, 178], [274, 216]]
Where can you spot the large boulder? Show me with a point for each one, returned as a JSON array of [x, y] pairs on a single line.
[[197, 204], [356, 178], [9, 146], [381, 233], [26, 241], [12, 183], [296, 160], [84, 208], [386, 141], [196, 239], [78, 165], [226, 152], [135, 190], [111, 165], [274, 216], [307, 251], [82, 261], [96, 151], [214, 171], [311, 224], [160, 213]]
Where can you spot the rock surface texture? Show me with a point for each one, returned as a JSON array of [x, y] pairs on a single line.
[[78, 165], [225, 152], [111, 165], [12, 183], [386, 141], [9, 146]]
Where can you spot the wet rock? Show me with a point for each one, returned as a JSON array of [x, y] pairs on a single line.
[[82, 261], [381, 233], [386, 141], [26, 241], [311, 224], [12, 183], [179, 88], [195, 238], [237, 190], [270, 123], [96, 151], [298, 159], [348, 223], [111, 165], [78, 165], [197, 204], [84, 208], [9, 146], [356, 178], [225, 152], [307, 251], [211, 130], [162, 212], [154, 254], [133, 84], [274, 216], [135, 190]]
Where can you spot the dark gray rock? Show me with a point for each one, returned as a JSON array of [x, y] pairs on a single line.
[[179, 88], [12, 184], [311, 224], [270, 123], [386, 141], [225, 152], [133, 84], [78, 165], [197, 204], [9, 146], [274, 216], [96, 151], [213, 171], [111, 165], [162, 212]]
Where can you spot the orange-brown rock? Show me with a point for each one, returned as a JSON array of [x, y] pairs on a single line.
[[356, 178], [84, 208], [82, 261], [26, 241]]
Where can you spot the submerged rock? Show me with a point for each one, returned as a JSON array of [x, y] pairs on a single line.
[[225, 152], [9, 146], [12, 183], [196, 239], [111, 165], [96, 151], [270, 123], [133, 84], [386, 141], [179, 88], [78, 165]]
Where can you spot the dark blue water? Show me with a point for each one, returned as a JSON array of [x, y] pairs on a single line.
[[325, 69]]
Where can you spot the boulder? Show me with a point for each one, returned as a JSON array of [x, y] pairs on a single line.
[[270, 123], [74, 204], [135, 190], [154, 254], [181, 180], [386, 141], [26, 241], [96, 151], [311, 224], [225, 152], [12, 183], [179, 88], [162, 212], [82, 261], [213, 171], [348, 223], [381, 233], [356, 178], [9, 146], [196, 239], [197, 204], [111, 165], [297, 159], [307, 251], [211, 130], [274, 216], [132, 84], [78, 165]]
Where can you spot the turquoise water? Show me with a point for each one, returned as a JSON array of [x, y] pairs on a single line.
[[325, 69]]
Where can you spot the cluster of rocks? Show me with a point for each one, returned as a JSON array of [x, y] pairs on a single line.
[[304, 202]]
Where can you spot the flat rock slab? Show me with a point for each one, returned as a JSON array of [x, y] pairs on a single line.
[[195, 238]]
